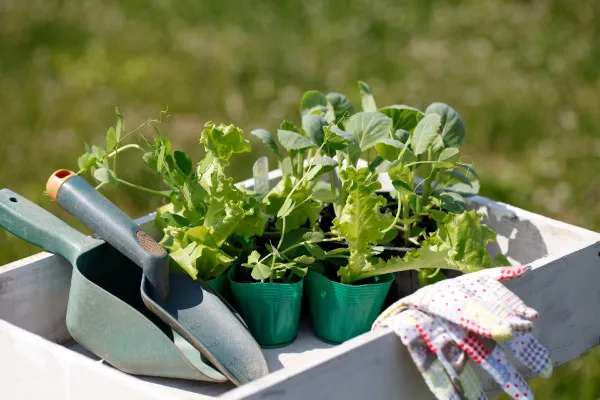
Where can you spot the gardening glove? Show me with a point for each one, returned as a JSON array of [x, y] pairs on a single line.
[[442, 323]]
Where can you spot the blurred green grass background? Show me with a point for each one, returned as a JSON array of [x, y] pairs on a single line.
[[525, 76]]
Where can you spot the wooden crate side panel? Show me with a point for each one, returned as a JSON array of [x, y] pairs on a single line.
[[566, 292], [32, 369], [34, 293], [373, 366]]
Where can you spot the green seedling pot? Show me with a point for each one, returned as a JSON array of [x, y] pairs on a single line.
[[271, 310], [220, 284], [340, 312]]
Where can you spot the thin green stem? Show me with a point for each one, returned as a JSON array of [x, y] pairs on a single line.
[[332, 182], [143, 189], [405, 216], [282, 233], [395, 218], [299, 165], [126, 147], [117, 151], [308, 241], [421, 162]]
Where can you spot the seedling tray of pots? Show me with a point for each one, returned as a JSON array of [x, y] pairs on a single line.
[[40, 360]]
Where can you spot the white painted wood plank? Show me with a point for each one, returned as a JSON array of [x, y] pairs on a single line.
[[34, 293], [33, 368]]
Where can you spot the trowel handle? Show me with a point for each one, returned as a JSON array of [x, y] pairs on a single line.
[[80, 199], [37, 226]]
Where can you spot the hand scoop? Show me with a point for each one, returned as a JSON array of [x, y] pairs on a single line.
[[190, 307], [105, 312]]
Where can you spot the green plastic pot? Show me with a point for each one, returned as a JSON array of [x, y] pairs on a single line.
[[340, 312], [220, 284], [271, 310]]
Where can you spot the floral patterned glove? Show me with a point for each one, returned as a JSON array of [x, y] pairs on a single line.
[[443, 323]]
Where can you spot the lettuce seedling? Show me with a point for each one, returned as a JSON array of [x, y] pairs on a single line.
[[205, 208], [420, 152]]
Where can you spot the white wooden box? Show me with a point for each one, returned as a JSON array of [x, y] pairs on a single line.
[[39, 360]]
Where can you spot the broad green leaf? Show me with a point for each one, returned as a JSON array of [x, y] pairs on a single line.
[[437, 145], [352, 148], [104, 175], [316, 251], [86, 160], [253, 257], [369, 128], [340, 252], [304, 210], [463, 180], [322, 192], [223, 140], [313, 126], [98, 152], [389, 236], [111, 139], [327, 163], [312, 99], [183, 162], [304, 259], [403, 187], [313, 236], [293, 141], [342, 107], [300, 271], [467, 238], [380, 165], [389, 149], [366, 97], [286, 208], [260, 272], [166, 218], [404, 117], [453, 202], [289, 126], [459, 243], [425, 133], [449, 154], [186, 257], [402, 135], [253, 222], [451, 127], [314, 172], [267, 139], [201, 261]]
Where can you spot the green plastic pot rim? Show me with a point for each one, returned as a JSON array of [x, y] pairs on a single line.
[[232, 280], [384, 278]]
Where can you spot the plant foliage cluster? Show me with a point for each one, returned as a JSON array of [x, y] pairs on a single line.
[[333, 159]]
